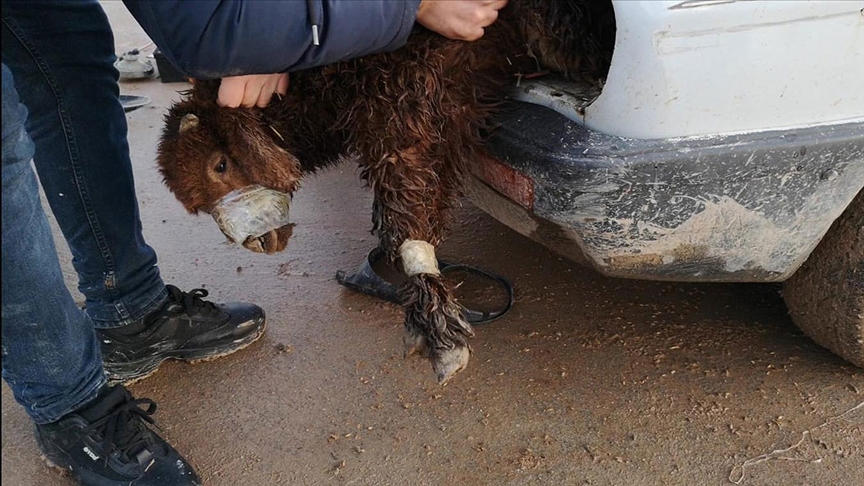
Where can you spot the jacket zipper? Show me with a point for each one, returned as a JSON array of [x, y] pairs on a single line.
[[312, 9]]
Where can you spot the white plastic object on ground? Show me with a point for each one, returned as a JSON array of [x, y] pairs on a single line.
[[418, 257], [250, 212]]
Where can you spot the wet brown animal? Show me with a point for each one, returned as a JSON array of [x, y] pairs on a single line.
[[413, 119]]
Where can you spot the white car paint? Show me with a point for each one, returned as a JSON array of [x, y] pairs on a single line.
[[708, 67]]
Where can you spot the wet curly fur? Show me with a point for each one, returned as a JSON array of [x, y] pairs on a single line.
[[434, 325], [413, 119]]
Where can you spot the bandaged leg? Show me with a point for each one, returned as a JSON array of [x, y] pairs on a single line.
[[418, 257], [433, 321]]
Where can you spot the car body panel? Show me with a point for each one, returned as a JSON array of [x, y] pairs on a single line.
[[742, 208], [727, 138], [721, 67]]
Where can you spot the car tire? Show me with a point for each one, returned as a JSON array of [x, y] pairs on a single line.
[[825, 296]]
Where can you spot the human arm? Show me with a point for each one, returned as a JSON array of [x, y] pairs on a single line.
[[236, 40], [210, 39]]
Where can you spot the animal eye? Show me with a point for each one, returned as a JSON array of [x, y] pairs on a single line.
[[221, 166]]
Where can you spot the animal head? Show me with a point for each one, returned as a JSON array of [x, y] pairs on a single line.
[[207, 151]]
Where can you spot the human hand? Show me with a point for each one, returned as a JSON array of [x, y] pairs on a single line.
[[459, 19], [251, 90]]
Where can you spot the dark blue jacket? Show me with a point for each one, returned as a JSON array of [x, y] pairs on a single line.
[[217, 38]]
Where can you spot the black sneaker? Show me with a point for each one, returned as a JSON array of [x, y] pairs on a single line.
[[186, 327], [109, 443]]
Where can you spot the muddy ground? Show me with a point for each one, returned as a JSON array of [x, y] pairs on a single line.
[[589, 380]]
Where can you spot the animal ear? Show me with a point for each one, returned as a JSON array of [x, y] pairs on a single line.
[[188, 122]]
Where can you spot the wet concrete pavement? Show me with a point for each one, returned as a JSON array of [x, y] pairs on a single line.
[[588, 380]]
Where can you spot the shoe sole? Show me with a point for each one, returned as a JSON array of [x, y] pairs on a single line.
[[146, 368], [80, 476], [60, 469], [54, 462]]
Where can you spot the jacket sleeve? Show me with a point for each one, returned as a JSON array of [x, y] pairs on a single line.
[[209, 39]]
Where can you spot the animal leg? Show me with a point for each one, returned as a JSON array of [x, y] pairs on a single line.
[[415, 130], [434, 324], [410, 215]]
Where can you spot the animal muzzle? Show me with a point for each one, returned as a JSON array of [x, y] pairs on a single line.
[[250, 213]]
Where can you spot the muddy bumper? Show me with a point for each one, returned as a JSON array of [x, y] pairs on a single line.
[[734, 208]]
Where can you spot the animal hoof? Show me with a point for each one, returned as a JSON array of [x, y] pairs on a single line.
[[448, 362], [271, 242], [414, 344], [254, 244]]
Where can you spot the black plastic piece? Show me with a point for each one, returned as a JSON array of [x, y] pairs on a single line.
[[167, 72], [133, 102], [365, 280]]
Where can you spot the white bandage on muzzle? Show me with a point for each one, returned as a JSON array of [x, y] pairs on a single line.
[[418, 257], [250, 212]]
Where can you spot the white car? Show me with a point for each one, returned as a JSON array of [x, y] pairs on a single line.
[[725, 144]]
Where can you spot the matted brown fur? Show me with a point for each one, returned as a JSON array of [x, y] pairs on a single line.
[[413, 118]]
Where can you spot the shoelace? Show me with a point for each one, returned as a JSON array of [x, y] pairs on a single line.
[[121, 428], [193, 300]]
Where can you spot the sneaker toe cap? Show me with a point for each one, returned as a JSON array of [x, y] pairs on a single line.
[[171, 469]]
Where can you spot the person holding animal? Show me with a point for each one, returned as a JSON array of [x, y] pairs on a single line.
[[414, 120], [61, 113]]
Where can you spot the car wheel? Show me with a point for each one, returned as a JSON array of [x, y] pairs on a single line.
[[826, 295]]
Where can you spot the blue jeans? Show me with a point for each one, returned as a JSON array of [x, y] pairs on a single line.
[[59, 55]]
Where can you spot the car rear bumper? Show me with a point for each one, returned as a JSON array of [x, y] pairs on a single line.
[[738, 208]]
